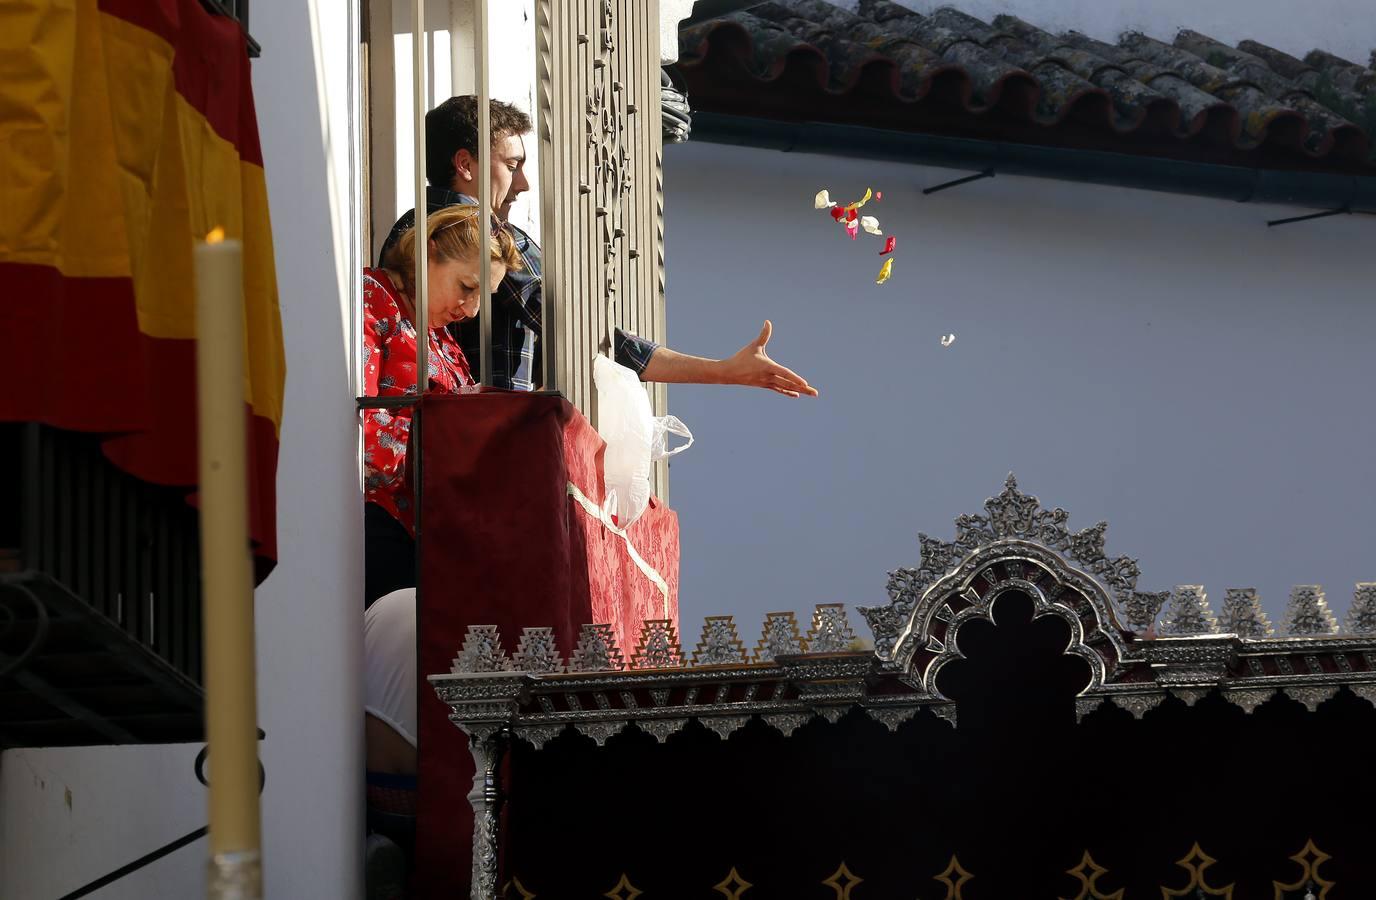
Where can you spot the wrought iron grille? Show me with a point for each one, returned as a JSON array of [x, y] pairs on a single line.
[[130, 550]]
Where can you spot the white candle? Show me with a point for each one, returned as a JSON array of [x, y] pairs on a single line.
[[226, 567]]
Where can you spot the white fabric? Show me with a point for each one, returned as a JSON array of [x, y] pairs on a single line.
[[635, 438], [605, 518], [389, 661], [626, 422]]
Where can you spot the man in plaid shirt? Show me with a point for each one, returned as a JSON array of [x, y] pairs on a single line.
[[451, 167]]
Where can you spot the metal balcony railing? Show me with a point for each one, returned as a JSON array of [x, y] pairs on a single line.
[[238, 10], [100, 597]]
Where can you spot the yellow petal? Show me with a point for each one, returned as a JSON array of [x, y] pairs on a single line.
[[885, 272], [862, 201]]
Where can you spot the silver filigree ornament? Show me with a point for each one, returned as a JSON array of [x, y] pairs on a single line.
[[724, 726], [1086, 705], [539, 735], [482, 652], [720, 645], [1243, 616], [1312, 696], [537, 653], [599, 731], [596, 650], [659, 648], [1190, 695], [1189, 612], [1012, 515], [1138, 704], [1249, 699], [660, 729], [485, 745], [831, 631], [780, 637], [946, 712], [832, 714], [786, 723], [1307, 613], [1361, 615], [1142, 608], [891, 716]]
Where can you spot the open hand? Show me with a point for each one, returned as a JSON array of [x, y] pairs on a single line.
[[752, 366]]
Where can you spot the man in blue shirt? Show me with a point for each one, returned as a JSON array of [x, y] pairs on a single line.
[[451, 167]]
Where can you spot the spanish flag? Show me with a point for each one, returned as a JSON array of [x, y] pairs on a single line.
[[127, 132]]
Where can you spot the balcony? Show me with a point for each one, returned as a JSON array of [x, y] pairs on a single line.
[[100, 591]]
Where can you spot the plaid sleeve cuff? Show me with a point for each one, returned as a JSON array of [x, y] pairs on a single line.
[[634, 352]]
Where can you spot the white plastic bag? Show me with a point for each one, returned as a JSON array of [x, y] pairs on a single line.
[[665, 426], [634, 437]]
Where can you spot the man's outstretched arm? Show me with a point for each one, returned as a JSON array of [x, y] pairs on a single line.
[[750, 366]]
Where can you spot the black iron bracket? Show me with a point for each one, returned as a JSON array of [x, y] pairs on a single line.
[[987, 173], [137, 864], [170, 847], [1343, 210]]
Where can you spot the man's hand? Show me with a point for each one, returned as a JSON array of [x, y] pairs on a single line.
[[749, 366], [752, 366]]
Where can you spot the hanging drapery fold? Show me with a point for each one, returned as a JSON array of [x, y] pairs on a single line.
[[128, 132]]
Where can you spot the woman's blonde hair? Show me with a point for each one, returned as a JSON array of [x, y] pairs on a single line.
[[454, 234]]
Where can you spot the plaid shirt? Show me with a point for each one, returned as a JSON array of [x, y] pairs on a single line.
[[516, 303]]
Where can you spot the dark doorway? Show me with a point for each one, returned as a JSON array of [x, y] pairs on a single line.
[[1015, 697]]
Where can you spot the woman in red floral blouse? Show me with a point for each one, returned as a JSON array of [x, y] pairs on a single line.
[[389, 370]]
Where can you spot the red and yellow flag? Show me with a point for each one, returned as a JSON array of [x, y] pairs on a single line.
[[127, 132]]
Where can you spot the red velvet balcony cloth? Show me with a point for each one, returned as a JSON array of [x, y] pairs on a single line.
[[505, 543]]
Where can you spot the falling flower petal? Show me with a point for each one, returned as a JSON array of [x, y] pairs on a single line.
[[879, 195], [838, 213], [870, 224], [852, 229], [822, 200], [888, 245], [885, 272], [851, 214], [947, 340], [862, 201]]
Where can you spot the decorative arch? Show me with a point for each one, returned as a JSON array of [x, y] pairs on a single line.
[[1019, 545], [930, 639]]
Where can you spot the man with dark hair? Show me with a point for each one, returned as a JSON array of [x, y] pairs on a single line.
[[451, 167]]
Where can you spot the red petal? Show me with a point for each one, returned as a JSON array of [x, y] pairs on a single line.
[[879, 195], [852, 215], [888, 245], [837, 212]]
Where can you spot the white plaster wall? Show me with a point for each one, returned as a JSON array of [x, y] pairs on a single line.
[[310, 609], [69, 816], [1344, 27], [1164, 362]]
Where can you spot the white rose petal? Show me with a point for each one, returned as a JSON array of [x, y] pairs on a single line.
[[822, 201], [870, 224], [947, 340]]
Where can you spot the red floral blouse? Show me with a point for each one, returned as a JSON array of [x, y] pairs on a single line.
[[389, 370]]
